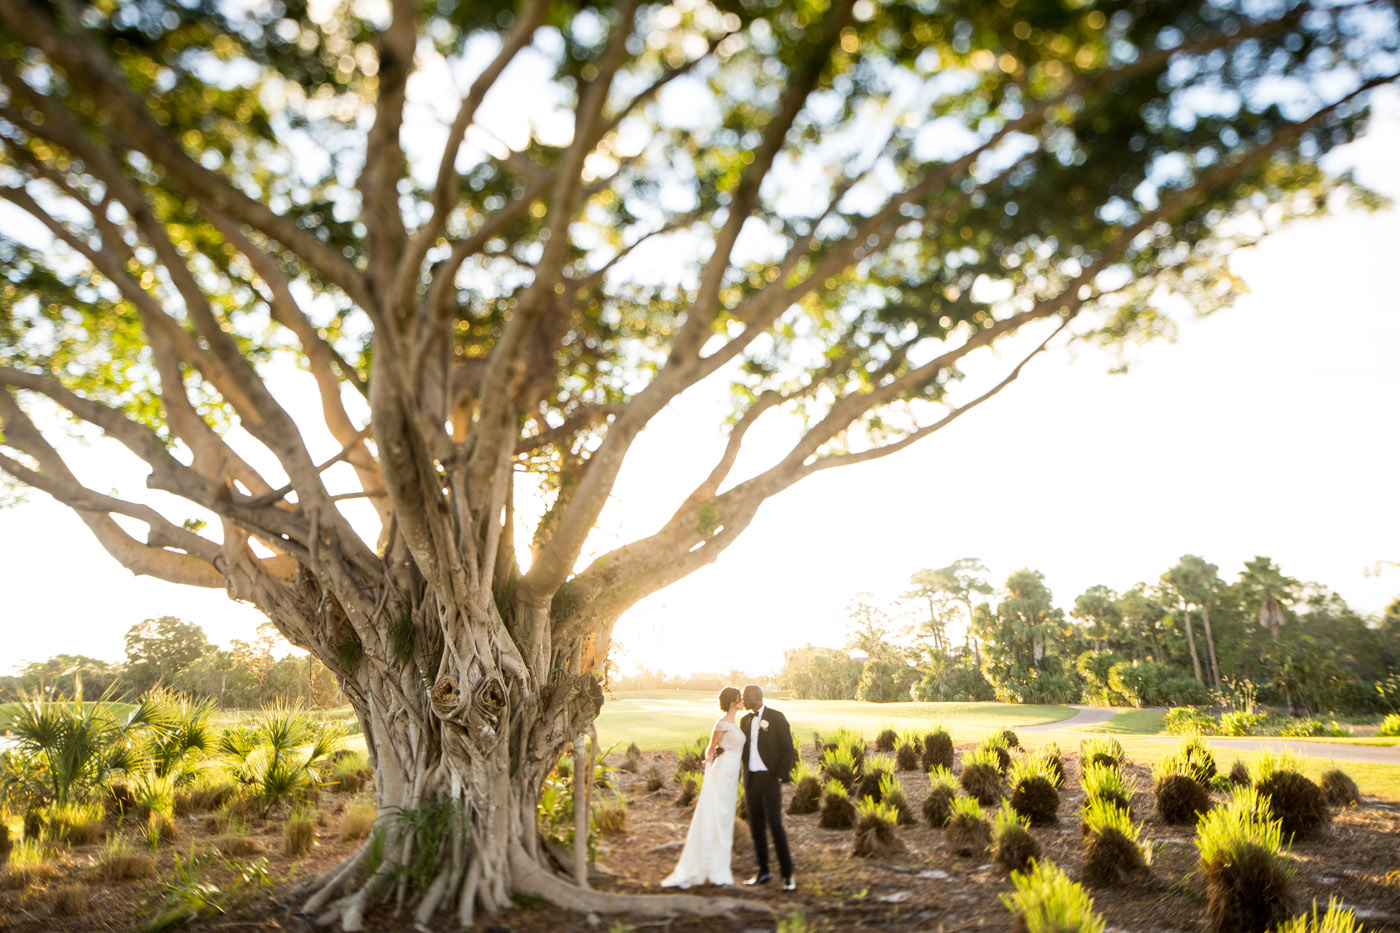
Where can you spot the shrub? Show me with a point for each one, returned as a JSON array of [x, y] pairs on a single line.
[[692, 758], [1239, 774], [74, 823], [1390, 725], [1339, 789], [690, 788], [875, 837], [299, 832], [120, 861], [838, 764], [1106, 782], [938, 805], [654, 780], [806, 790], [981, 776], [1033, 793], [876, 768], [1240, 723], [892, 793], [632, 760], [1246, 868], [996, 744], [967, 832], [852, 741], [1013, 846], [1336, 920], [30, 861], [886, 739], [1296, 802], [357, 820], [1188, 720], [1112, 852], [70, 900], [938, 750], [283, 757], [1050, 754], [1196, 759], [837, 810], [160, 828], [351, 773], [1180, 800], [1006, 738], [1045, 900], [1101, 750]]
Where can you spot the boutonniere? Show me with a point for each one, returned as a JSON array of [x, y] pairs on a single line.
[[763, 724]]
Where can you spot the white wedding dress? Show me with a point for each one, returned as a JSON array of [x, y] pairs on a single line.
[[710, 842]]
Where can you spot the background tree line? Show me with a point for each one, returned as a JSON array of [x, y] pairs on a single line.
[[174, 653], [1189, 638]]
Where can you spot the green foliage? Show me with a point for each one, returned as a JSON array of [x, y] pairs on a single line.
[[967, 831], [29, 861], [1105, 782], [1390, 726], [1101, 750], [299, 831], [74, 823], [1045, 900], [1240, 723], [1189, 720], [1192, 758], [186, 894], [119, 860], [1113, 853], [838, 812], [1033, 791], [1337, 919], [981, 775], [838, 764], [1013, 847], [358, 820], [1246, 867], [283, 757]]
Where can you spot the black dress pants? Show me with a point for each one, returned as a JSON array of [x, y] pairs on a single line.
[[763, 797]]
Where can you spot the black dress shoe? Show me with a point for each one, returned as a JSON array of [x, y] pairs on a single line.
[[789, 884], [762, 877]]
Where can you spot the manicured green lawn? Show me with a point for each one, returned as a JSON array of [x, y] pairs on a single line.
[[1135, 722], [119, 711], [656, 719]]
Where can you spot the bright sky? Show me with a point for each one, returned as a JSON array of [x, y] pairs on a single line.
[[1267, 429]]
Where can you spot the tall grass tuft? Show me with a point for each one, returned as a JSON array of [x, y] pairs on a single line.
[[806, 789], [938, 805], [1107, 782], [877, 767], [299, 832], [875, 835], [995, 743], [611, 817], [1054, 761], [1045, 900], [981, 775], [837, 810], [1033, 791], [1178, 789], [1245, 865], [690, 788], [77, 824], [283, 758], [1337, 919], [886, 739], [1013, 847], [967, 832], [350, 773], [120, 861], [1113, 852], [892, 793], [838, 764], [70, 900], [938, 749], [907, 752], [30, 862], [1339, 789], [357, 820], [1101, 750], [1295, 801]]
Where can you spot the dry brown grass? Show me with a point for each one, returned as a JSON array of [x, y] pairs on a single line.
[[70, 900], [299, 832], [357, 820]]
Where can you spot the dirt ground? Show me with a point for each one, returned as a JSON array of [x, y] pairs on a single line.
[[928, 888]]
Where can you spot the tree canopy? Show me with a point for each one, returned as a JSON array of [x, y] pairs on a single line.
[[499, 239]]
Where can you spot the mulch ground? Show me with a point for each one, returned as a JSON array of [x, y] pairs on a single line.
[[928, 888]]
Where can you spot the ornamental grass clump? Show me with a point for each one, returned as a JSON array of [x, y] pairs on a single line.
[[1101, 750], [1180, 796], [1045, 900], [1013, 847], [690, 788], [1006, 738], [1033, 793], [837, 810], [886, 740], [838, 764], [875, 835], [996, 744], [299, 832], [120, 861], [937, 750], [1339, 789], [358, 820], [806, 790], [1197, 760], [30, 862], [1335, 920], [967, 832], [1245, 865], [938, 805], [1292, 799], [892, 793], [1239, 774], [632, 759], [1113, 852], [877, 767], [981, 775], [70, 900], [1106, 782], [1054, 760], [852, 741], [908, 752], [77, 824]]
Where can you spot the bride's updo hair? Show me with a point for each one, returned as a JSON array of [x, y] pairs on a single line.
[[727, 696]]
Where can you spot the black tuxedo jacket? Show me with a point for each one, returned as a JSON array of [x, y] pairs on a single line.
[[774, 743]]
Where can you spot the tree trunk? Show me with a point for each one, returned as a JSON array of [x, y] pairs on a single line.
[[458, 770], [1210, 645], [1191, 643]]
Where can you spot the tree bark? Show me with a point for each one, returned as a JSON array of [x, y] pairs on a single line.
[[1191, 643], [1210, 645]]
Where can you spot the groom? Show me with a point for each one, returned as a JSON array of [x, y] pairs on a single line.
[[767, 760]]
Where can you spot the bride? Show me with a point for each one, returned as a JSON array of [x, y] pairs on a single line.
[[706, 856]]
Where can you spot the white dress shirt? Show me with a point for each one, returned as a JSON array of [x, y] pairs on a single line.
[[755, 727]]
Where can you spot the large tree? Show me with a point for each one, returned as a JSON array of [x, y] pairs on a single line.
[[501, 239]]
